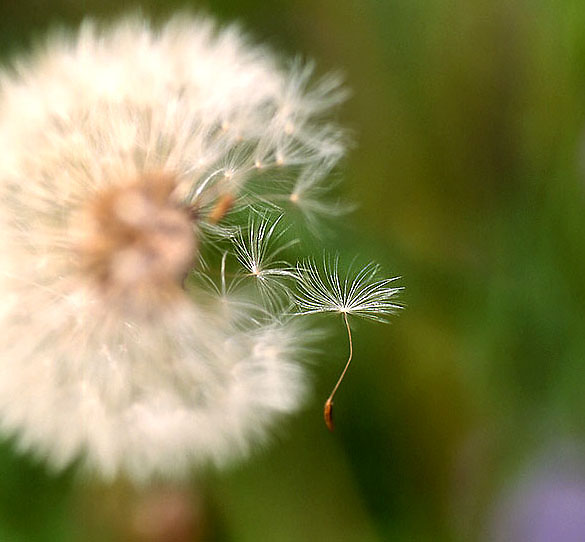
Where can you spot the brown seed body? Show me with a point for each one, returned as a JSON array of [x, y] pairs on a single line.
[[223, 207], [328, 414]]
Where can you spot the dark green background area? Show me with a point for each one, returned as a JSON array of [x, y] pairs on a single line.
[[469, 173]]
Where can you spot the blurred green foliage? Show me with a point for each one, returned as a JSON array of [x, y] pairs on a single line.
[[469, 169]]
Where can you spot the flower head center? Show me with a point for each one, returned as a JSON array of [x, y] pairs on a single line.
[[137, 242]]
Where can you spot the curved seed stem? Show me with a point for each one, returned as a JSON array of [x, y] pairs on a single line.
[[328, 408]]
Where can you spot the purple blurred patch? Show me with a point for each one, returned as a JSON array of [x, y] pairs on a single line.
[[546, 503]]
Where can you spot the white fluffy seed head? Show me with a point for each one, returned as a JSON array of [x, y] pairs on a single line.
[[121, 147]]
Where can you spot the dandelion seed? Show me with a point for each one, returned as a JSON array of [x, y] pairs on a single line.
[[257, 248], [314, 199], [321, 291]]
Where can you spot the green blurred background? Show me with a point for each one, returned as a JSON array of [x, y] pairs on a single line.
[[469, 172]]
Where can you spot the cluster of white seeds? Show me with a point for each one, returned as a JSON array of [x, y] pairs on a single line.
[[129, 155]]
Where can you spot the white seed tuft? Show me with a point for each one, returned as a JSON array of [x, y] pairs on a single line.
[[363, 294]]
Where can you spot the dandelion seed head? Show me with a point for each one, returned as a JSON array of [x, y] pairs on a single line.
[[124, 148], [131, 341]]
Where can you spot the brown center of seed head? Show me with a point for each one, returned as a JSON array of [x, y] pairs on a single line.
[[137, 242]]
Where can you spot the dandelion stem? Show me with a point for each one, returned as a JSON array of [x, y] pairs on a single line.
[[328, 408]]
